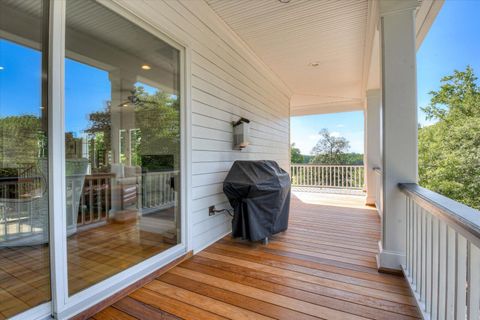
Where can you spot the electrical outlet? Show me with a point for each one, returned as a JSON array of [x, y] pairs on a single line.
[[211, 210]]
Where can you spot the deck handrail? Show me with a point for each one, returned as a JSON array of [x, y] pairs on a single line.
[[442, 254], [458, 215], [327, 175]]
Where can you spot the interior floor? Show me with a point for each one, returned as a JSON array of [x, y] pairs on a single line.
[[94, 254]]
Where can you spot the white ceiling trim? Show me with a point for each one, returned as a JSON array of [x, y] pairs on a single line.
[[329, 107], [426, 14], [372, 23]]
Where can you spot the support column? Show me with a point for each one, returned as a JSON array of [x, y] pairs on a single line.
[[373, 157], [399, 123]]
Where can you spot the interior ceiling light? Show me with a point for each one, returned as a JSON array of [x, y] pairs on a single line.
[[1, 68], [314, 64], [146, 67], [284, 1]]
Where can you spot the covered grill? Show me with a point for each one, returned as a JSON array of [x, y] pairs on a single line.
[[259, 192]]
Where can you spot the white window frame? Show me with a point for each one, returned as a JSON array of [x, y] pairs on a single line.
[[62, 305]]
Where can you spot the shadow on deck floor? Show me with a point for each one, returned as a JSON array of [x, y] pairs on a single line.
[[322, 267]]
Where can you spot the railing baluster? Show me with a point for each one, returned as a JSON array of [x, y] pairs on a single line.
[[473, 282], [90, 199], [107, 198], [423, 241], [428, 264], [442, 269], [461, 277], [99, 198], [411, 235], [435, 265], [451, 273], [407, 235], [305, 175], [416, 259]]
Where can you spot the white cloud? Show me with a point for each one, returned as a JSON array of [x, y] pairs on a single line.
[[335, 134], [340, 126]]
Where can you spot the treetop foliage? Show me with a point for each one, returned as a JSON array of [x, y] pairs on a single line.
[[449, 150], [329, 149]]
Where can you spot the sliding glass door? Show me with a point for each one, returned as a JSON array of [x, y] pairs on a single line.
[[122, 143], [115, 142]]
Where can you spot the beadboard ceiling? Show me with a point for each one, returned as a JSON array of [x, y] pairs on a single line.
[[290, 36]]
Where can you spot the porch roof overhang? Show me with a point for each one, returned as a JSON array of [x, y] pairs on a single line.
[[326, 53]]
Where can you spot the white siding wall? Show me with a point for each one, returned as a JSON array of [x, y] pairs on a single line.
[[227, 82]]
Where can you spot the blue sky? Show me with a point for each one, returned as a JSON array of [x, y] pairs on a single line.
[[87, 89], [452, 43], [304, 130]]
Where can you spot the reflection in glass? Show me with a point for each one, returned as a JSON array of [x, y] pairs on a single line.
[[24, 251], [122, 151]]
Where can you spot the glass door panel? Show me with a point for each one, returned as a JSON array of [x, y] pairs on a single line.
[[24, 212], [122, 144]]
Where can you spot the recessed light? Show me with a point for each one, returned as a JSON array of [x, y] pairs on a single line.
[[314, 64], [146, 67], [2, 68], [125, 105]]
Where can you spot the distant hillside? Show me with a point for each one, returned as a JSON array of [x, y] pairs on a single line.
[[347, 159]]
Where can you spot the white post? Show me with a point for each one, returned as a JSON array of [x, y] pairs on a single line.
[[373, 158], [399, 123], [122, 118]]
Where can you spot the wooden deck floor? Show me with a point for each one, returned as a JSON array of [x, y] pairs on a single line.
[[323, 267], [93, 255]]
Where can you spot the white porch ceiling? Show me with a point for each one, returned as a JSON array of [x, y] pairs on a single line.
[[290, 36]]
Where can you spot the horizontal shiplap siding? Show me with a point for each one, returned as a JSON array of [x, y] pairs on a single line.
[[227, 82]]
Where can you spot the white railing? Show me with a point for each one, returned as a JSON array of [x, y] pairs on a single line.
[[95, 201], [19, 198], [158, 190], [442, 254], [327, 176], [24, 203]]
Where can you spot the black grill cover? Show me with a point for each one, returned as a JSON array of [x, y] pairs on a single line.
[[259, 192]]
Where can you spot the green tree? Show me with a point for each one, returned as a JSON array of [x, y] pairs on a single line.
[[296, 156], [157, 117], [449, 150], [23, 140], [330, 149]]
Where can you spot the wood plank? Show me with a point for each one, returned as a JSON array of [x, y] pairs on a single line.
[[111, 313], [389, 287], [379, 294], [323, 296], [214, 306], [227, 296], [176, 307], [140, 310], [294, 304]]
